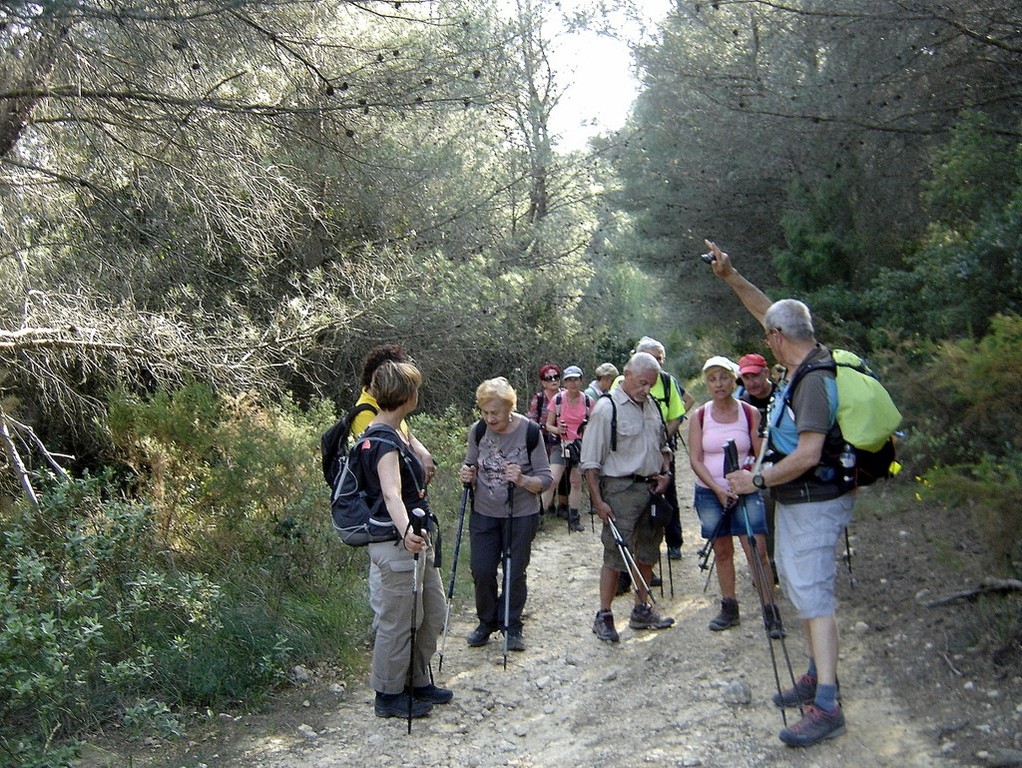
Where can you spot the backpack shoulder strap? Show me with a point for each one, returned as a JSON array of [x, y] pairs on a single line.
[[668, 381], [748, 409], [613, 420], [531, 436]]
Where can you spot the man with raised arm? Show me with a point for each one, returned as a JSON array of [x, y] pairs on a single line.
[[813, 507]]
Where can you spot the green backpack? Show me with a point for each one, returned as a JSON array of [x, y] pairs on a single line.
[[865, 411], [866, 416]]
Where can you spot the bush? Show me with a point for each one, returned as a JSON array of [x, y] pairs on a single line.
[[117, 608], [990, 491], [84, 616]]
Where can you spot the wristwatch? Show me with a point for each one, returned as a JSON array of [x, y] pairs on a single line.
[[758, 481]]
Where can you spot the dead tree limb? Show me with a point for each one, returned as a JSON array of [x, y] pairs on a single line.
[[988, 586]]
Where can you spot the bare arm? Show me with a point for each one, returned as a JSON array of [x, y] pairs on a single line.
[[389, 472], [752, 297]]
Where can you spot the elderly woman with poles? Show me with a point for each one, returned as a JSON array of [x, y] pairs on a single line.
[[409, 601], [506, 464], [715, 424]]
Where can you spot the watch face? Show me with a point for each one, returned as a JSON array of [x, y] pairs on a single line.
[[758, 481]]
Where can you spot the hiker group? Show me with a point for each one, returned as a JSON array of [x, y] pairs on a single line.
[[763, 452]]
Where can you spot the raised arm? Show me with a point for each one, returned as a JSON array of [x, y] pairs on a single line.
[[752, 297]]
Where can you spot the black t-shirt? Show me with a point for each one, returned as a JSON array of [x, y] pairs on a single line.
[[375, 443], [760, 403]]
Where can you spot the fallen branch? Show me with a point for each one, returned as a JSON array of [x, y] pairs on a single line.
[[987, 586]]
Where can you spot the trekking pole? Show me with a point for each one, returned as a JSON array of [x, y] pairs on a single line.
[[466, 491], [507, 566], [630, 564], [848, 559], [566, 457], [707, 549], [731, 464], [416, 520], [660, 555]]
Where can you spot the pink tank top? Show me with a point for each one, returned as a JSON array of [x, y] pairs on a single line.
[[572, 414], [715, 437]]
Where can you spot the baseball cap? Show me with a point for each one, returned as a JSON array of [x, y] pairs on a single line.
[[572, 372], [752, 363], [719, 361]]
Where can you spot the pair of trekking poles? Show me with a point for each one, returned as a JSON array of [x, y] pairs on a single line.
[[466, 495], [732, 464]]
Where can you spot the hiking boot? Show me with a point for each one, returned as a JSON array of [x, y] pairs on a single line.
[[772, 622], [645, 617], [624, 583], [434, 694], [480, 636], [574, 521], [804, 692], [562, 512], [815, 726], [655, 581], [515, 641], [396, 705], [728, 616], [603, 626], [674, 553]]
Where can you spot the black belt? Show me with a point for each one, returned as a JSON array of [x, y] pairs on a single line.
[[641, 478]]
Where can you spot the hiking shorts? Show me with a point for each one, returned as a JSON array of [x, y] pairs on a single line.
[[710, 513], [807, 535], [629, 500]]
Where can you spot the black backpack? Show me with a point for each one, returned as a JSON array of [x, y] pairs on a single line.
[[357, 519], [334, 442], [531, 434]]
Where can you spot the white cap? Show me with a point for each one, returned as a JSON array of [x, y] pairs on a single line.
[[719, 361]]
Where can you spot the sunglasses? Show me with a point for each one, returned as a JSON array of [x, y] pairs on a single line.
[[552, 377]]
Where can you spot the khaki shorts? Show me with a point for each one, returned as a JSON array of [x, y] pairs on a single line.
[[629, 500]]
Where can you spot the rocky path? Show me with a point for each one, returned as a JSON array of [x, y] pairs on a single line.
[[679, 697]]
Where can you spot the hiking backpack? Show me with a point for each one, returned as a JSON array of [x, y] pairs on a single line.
[[357, 519], [531, 434], [334, 442], [866, 416]]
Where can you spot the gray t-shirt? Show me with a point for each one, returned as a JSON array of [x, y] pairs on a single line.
[[492, 455]]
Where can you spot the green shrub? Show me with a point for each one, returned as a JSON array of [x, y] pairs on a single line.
[[988, 492], [201, 592], [84, 616]]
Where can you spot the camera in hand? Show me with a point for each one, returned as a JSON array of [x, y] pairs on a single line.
[[708, 258]]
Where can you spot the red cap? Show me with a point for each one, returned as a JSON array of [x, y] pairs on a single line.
[[751, 363], [546, 370]]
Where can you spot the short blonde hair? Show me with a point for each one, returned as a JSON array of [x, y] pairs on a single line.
[[394, 384], [499, 389], [606, 369]]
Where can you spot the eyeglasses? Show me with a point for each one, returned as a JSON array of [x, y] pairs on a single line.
[[552, 377], [769, 334]]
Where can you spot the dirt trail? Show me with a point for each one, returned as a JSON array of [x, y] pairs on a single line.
[[683, 696]]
